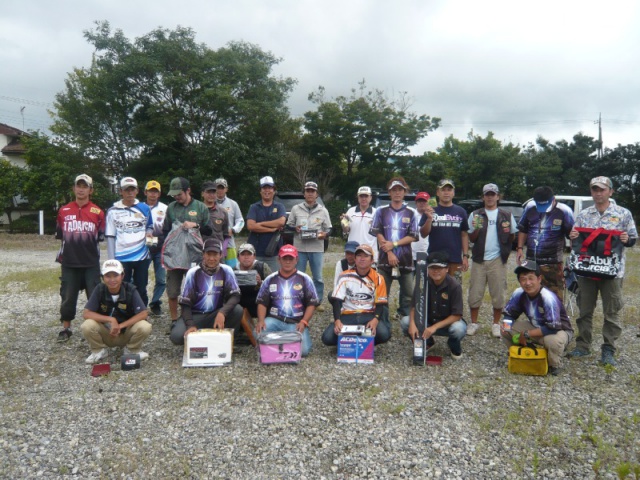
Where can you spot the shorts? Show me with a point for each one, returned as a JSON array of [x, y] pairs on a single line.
[[174, 282]]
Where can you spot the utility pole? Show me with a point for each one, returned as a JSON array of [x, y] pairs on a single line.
[[599, 122], [22, 113]]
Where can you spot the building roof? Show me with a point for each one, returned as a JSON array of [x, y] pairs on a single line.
[[10, 131], [15, 147]]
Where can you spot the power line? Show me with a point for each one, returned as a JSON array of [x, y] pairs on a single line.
[[36, 103]]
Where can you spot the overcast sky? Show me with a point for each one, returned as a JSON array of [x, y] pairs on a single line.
[[519, 69]]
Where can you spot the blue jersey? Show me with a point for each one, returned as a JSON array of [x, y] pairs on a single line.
[[129, 225], [394, 225], [546, 232], [545, 311], [286, 298], [205, 293]]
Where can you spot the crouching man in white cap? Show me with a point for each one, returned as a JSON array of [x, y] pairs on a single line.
[[115, 316]]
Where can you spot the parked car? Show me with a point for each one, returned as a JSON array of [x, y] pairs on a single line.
[[289, 199], [382, 199]]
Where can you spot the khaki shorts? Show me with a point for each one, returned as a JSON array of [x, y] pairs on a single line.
[[174, 282], [493, 273]]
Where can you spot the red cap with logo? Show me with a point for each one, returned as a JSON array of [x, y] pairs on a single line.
[[288, 251]]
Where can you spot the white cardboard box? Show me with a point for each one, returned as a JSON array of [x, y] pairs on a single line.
[[208, 348]]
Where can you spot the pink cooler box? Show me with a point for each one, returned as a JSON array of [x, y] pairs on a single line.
[[279, 347]]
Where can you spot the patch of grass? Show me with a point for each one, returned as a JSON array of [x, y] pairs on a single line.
[[33, 281], [28, 242]]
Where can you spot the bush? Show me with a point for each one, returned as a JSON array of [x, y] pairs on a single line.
[[31, 224], [336, 208]]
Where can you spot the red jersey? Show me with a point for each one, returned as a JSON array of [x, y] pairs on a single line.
[[80, 229]]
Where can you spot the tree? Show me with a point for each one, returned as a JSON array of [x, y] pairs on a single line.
[[164, 105], [359, 134], [11, 179]]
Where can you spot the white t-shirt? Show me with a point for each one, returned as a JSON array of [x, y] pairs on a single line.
[[359, 226], [491, 245]]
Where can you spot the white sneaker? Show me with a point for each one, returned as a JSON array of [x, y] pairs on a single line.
[[495, 330], [96, 357], [456, 357], [143, 355], [472, 329]]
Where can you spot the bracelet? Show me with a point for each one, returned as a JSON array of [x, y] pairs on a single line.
[[395, 244], [466, 255], [305, 323], [519, 248]]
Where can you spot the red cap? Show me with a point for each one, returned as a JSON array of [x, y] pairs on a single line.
[[288, 251], [423, 196]]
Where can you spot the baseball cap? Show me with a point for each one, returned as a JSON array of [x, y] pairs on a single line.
[[221, 181], [288, 251], [490, 187], [127, 182], [438, 259], [365, 248], [543, 196], [311, 186], [364, 191], [151, 184], [446, 181], [112, 266], [267, 182], [178, 185], [212, 245], [351, 246], [85, 178], [397, 183], [423, 196], [602, 182], [527, 266], [247, 247], [208, 186]]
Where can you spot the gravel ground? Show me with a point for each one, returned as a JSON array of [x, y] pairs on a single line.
[[319, 419]]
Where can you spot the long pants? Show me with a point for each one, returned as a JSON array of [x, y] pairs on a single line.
[[161, 279], [72, 281], [315, 260], [205, 320], [555, 344], [138, 274], [99, 336], [612, 303], [383, 334], [276, 325], [405, 281]]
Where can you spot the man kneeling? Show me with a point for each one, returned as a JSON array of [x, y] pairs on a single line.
[[547, 322], [210, 296], [115, 316], [358, 299], [444, 307]]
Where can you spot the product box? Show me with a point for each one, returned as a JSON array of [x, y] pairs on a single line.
[[279, 347], [208, 348], [355, 349]]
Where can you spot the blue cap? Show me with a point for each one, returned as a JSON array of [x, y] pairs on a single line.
[[351, 246]]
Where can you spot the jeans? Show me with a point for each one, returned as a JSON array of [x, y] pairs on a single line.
[[275, 325], [405, 281], [271, 261], [205, 320], [138, 274], [456, 332], [161, 279], [315, 260], [72, 280], [383, 333]]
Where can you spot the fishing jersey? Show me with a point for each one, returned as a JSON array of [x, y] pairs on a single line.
[[394, 225], [80, 228], [360, 294], [129, 225], [205, 293], [287, 298], [446, 231], [546, 232], [545, 311], [359, 225]]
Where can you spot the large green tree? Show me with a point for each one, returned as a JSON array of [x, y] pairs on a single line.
[[165, 105], [11, 180]]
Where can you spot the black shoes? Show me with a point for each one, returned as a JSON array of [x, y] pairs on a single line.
[[64, 335]]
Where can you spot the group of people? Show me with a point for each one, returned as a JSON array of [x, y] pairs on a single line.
[[220, 285]]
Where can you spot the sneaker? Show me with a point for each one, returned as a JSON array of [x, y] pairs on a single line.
[[607, 358], [472, 329], [155, 309], [577, 353], [64, 335], [96, 357], [555, 371], [495, 330], [320, 308], [173, 324], [143, 355], [430, 342], [456, 357]]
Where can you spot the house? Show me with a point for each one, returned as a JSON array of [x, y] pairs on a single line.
[[12, 149]]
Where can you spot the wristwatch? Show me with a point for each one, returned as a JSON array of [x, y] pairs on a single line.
[[526, 334], [466, 255]]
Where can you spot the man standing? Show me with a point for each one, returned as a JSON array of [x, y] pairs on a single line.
[[80, 225], [396, 227], [158, 212], [607, 215], [129, 224], [359, 299], [287, 299], [312, 225], [543, 227], [359, 220], [446, 226], [236, 222], [492, 231], [265, 220], [443, 307], [218, 218], [115, 316], [422, 245], [210, 296], [546, 322], [189, 213]]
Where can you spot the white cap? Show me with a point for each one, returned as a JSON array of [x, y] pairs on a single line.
[[267, 181], [112, 266], [364, 191], [85, 178], [128, 182]]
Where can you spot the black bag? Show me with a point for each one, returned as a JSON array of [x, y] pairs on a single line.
[[273, 246], [596, 253]]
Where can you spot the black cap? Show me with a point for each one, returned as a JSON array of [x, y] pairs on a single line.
[[212, 245], [438, 259], [527, 266], [209, 186]]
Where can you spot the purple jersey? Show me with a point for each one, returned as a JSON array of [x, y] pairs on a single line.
[[546, 232], [205, 293], [394, 225], [544, 311], [286, 298]]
